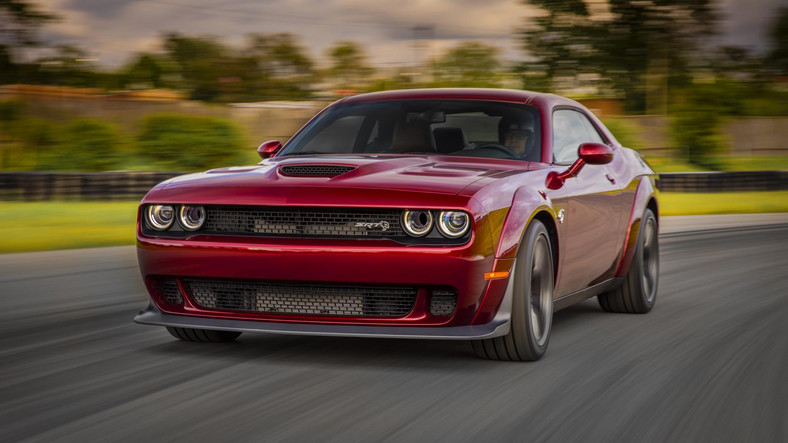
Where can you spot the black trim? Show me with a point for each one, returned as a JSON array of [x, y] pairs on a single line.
[[583, 294]]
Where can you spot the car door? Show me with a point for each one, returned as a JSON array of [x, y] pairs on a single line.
[[588, 206]]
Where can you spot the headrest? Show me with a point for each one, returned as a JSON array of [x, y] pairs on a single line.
[[449, 139], [411, 136]]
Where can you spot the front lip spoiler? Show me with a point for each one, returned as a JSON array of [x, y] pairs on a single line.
[[153, 316]]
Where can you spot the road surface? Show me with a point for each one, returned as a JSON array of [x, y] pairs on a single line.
[[709, 363]]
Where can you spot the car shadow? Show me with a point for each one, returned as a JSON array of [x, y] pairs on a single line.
[[351, 351]]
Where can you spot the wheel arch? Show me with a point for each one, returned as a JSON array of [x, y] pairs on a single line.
[[645, 198]]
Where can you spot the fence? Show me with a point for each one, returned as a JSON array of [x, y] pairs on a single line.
[[35, 186]]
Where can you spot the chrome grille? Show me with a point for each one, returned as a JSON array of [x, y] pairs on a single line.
[[303, 222], [315, 170], [299, 299], [443, 302]]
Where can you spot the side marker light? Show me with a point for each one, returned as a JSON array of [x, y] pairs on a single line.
[[493, 275]]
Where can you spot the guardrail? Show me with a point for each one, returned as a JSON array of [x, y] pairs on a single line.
[[729, 181], [132, 185], [35, 186]]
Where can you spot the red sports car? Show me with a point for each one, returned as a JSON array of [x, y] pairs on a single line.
[[468, 214]]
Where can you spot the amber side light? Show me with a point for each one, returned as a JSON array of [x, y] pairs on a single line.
[[492, 275]]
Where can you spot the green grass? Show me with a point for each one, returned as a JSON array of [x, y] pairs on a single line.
[[42, 226], [681, 203]]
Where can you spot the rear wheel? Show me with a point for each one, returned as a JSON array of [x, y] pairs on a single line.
[[202, 335], [638, 293], [532, 303]]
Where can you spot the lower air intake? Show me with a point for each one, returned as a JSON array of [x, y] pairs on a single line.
[[298, 299], [443, 302], [169, 291]]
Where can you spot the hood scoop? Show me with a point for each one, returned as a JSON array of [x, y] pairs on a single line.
[[314, 170]]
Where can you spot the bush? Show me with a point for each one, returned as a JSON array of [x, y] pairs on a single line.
[[696, 127], [184, 142], [627, 133], [87, 145]]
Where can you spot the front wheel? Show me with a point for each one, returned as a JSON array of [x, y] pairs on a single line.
[[532, 303], [638, 293], [202, 335]]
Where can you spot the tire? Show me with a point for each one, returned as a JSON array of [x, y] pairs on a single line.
[[638, 293], [532, 302], [202, 335]]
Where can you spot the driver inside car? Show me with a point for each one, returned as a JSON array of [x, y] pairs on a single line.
[[517, 135]]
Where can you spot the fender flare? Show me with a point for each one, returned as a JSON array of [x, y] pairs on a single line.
[[526, 204], [643, 194]]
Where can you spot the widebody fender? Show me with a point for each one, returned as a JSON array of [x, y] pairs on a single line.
[[645, 192]]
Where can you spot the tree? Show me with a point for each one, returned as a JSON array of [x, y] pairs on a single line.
[[469, 64], [637, 45], [283, 67], [777, 57], [206, 67], [150, 70], [19, 21], [349, 65]]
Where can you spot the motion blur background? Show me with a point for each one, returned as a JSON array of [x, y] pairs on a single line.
[[169, 86]]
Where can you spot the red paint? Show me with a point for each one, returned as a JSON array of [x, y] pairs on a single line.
[[269, 149]]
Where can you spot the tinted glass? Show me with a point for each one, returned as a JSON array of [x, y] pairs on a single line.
[[570, 130], [449, 127]]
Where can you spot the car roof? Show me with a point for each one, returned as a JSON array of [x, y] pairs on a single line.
[[503, 95]]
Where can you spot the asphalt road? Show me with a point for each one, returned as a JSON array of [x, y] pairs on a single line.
[[709, 363]]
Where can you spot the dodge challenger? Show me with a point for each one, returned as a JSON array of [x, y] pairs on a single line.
[[470, 214]]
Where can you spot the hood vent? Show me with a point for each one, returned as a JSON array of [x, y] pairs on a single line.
[[315, 170]]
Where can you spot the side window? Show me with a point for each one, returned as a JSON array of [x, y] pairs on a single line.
[[340, 136], [570, 129]]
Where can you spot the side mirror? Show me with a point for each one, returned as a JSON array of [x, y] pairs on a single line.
[[591, 153], [269, 149], [595, 153]]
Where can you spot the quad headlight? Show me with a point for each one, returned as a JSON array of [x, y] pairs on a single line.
[[453, 224], [417, 222], [192, 217], [160, 217], [450, 224]]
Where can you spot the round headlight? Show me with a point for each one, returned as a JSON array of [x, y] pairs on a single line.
[[160, 217], [454, 224], [417, 222], [192, 217]]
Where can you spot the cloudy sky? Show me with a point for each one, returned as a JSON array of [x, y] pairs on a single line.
[[112, 30]]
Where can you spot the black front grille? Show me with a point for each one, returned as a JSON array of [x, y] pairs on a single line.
[[300, 299], [315, 170], [303, 222]]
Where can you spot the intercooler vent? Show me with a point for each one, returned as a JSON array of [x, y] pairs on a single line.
[[299, 299], [443, 302], [315, 170], [169, 291]]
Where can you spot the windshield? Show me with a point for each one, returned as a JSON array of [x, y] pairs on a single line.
[[471, 128]]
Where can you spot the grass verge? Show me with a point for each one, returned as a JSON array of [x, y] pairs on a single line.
[[41, 226], [688, 203]]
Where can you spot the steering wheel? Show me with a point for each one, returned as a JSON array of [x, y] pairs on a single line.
[[497, 147]]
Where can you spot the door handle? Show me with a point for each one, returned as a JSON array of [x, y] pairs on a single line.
[[610, 179]]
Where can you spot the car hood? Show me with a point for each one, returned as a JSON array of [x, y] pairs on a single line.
[[433, 174]]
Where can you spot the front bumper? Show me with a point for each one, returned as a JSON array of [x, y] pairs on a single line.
[[154, 316]]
